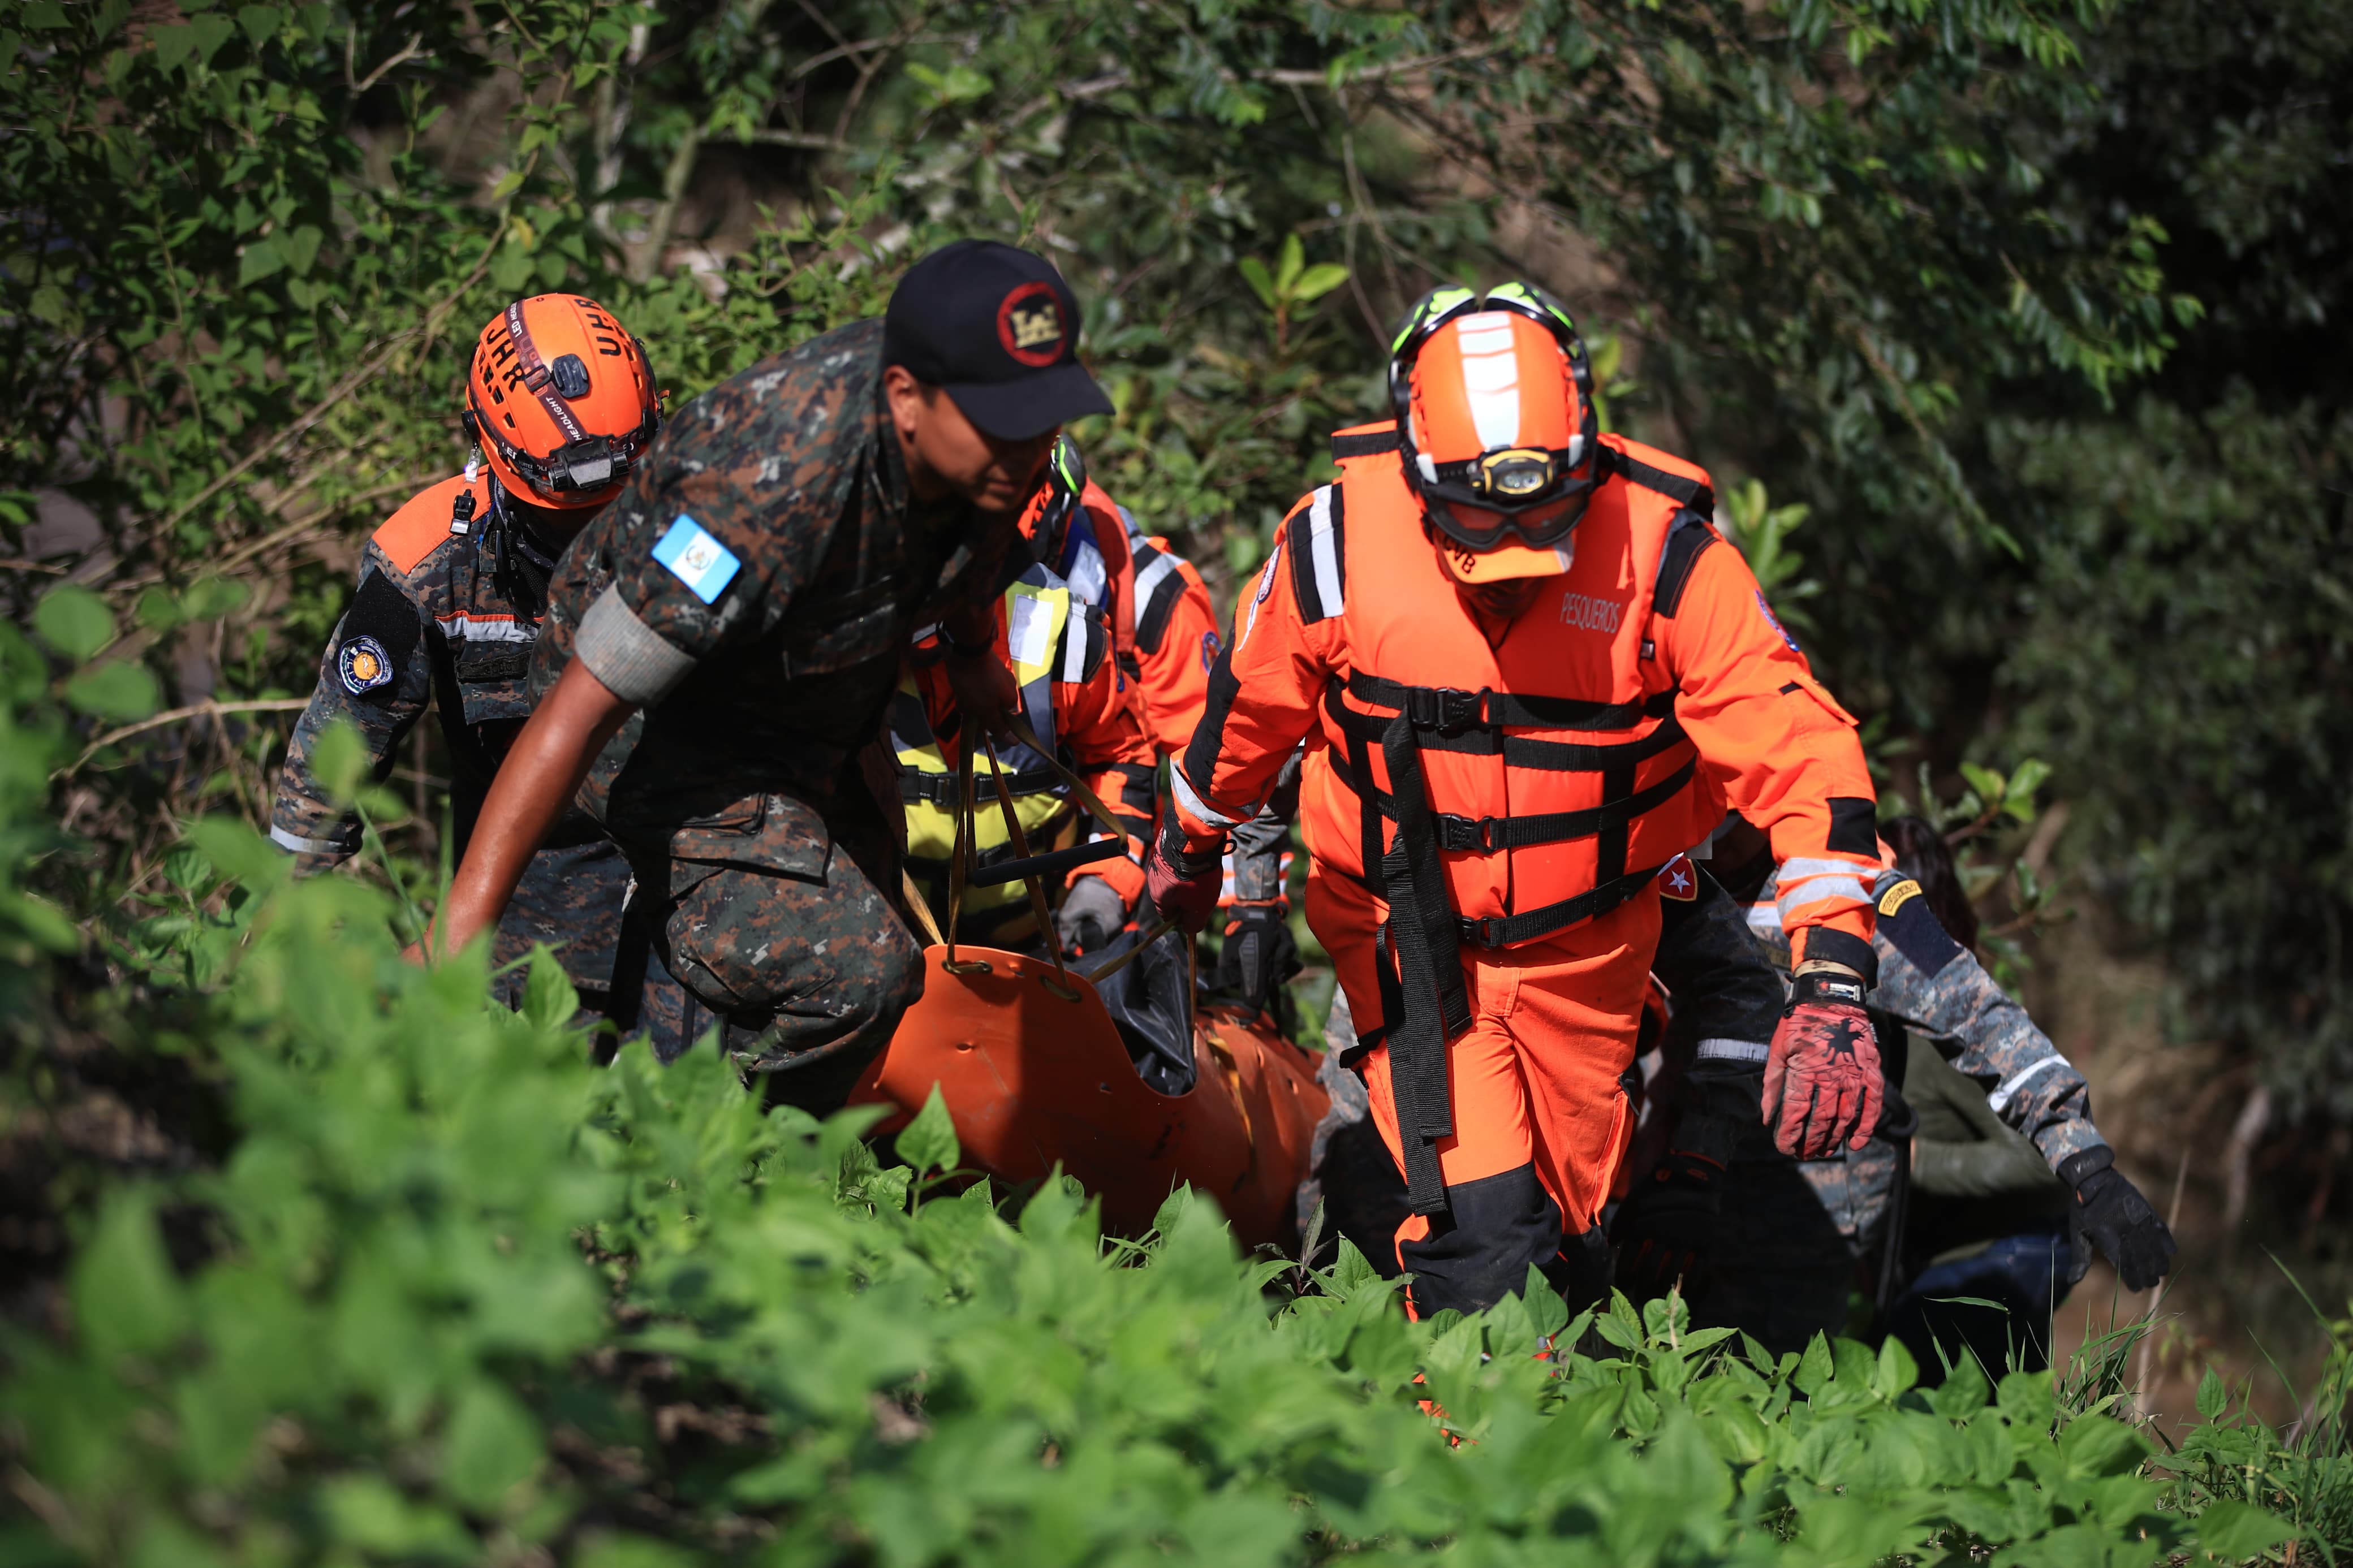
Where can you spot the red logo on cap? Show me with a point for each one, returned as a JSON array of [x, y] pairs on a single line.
[[1029, 325]]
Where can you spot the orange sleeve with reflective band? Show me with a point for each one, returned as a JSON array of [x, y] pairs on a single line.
[[422, 527], [1177, 669], [1098, 726], [1264, 694], [1776, 745]]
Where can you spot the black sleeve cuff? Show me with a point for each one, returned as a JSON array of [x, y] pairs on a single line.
[[1837, 947]]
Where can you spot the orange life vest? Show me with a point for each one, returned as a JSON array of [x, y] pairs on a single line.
[[1550, 780]]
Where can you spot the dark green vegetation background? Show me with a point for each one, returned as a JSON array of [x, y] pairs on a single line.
[[2032, 307]]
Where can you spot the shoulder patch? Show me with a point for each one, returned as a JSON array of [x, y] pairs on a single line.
[[1911, 929], [1319, 556], [1677, 880], [422, 526], [697, 560], [379, 631], [1895, 896]]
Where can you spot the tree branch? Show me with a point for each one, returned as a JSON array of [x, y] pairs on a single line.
[[173, 716]]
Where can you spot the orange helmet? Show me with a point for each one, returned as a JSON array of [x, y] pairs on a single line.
[[561, 399], [1493, 400]]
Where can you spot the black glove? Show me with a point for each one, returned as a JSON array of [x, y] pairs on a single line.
[[1259, 957], [2110, 1210], [1668, 1225]]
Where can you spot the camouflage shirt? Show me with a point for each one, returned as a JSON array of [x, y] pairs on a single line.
[[450, 594], [1937, 985], [752, 591], [438, 616]]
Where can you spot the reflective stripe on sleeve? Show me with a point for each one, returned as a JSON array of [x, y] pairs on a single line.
[[1157, 571], [1734, 1050], [1323, 551], [486, 628], [286, 839], [1805, 881], [2000, 1098], [1202, 811]]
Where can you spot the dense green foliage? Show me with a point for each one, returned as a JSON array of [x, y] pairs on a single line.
[[443, 1292], [2018, 300]]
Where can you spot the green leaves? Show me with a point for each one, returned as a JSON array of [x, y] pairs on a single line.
[[2234, 1531], [118, 691], [929, 1142], [74, 622], [126, 1299], [958, 84]]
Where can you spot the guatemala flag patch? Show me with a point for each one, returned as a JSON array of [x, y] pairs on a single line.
[[699, 561]]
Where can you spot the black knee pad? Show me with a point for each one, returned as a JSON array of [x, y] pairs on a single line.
[[1479, 1251]]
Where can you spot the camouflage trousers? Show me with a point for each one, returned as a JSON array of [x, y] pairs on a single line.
[[573, 898], [1800, 1239], [784, 935]]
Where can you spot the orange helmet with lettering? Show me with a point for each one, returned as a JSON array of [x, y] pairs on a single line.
[[561, 399], [1495, 423]]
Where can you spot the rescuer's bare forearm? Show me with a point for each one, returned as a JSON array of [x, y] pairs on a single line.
[[534, 786]]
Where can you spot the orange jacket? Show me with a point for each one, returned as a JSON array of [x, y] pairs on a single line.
[[1606, 732], [1094, 554], [1175, 641], [1085, 717]]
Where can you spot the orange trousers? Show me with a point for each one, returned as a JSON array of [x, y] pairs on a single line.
[[1541, 1118]]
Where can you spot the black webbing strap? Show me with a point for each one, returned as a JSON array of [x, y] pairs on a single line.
[[1490, 835], [1518, 750], [1692, 493], [1491, 932], [1349, 444], [1448, 710], [536, 377], [1432, 1006]]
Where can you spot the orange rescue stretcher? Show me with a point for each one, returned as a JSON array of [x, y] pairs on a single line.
[[1036, 1075]]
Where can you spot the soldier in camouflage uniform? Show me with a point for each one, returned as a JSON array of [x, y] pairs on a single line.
[[1795, 1230], [724, 643], [451, 593]]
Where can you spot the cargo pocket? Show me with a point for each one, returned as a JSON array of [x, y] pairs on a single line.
[[778, 833], [494, 681]]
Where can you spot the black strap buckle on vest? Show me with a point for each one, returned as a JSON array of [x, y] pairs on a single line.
[[1447, 711]]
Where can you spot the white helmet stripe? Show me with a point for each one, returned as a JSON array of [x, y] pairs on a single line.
[[1490, 376]]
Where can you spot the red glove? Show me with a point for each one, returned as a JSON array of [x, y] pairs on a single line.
[[1183, 882], [1822, 1081]]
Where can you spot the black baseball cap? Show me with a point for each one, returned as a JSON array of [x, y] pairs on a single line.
[[997, 329]]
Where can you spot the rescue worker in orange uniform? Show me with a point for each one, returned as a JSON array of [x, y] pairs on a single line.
[[1534, 679], [1176, 645], [1169, 649], [1058, 649]]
